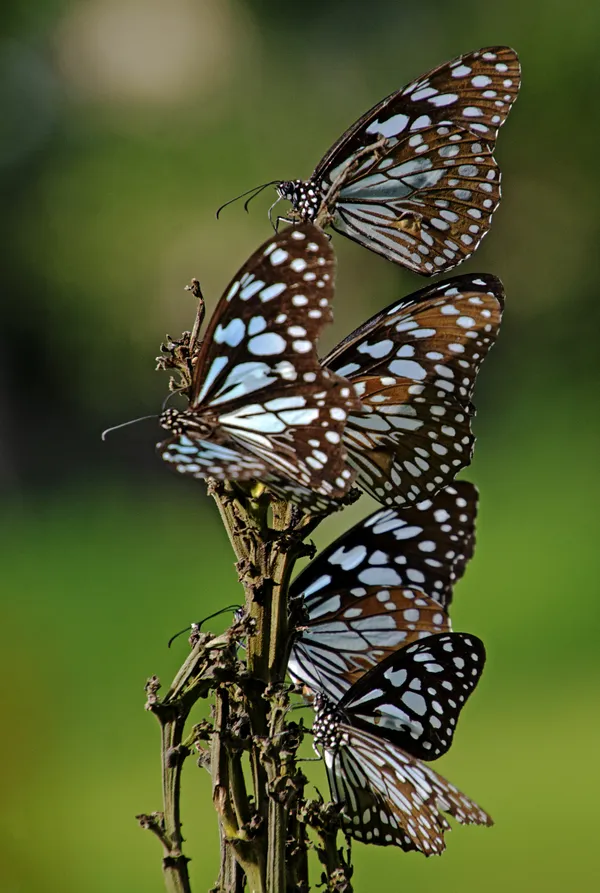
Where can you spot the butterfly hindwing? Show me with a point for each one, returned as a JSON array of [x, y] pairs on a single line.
[[426, 211], [388, 797], [351, 631]]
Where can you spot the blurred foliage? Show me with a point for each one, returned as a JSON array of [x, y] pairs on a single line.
[[124, 124]]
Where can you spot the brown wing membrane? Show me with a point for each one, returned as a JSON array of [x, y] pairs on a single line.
[[332, 653], [392, 799], [487, 80], [414, 367], [426, 201]]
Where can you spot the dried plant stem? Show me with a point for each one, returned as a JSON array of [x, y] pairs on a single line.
[[263, 840], [266, 556], [167, 825], [194, 680]]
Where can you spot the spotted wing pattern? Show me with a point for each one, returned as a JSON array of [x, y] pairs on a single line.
[[355, 632], [414, 697], [388, 797], [443, 95], [261, 406], [385, 583], [414, 367], [414, 179]]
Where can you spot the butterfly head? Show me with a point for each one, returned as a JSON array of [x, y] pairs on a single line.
[[304, 196], [179, 423]]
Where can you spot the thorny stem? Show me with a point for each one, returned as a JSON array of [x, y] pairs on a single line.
[[266, 557], [210, 657]]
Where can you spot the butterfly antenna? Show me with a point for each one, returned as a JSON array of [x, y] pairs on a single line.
[[258, 191], [168, 397], [255, 191], [190, 626], [125, 424], [195, 627]]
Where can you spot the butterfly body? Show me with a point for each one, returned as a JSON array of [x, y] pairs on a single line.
[[305, 196]]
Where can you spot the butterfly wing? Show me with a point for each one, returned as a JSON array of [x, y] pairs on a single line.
[[425, 196], [414, 367], [414, 697], [425, 546], [426, 211], [486, 79], [352, 630], [272, 412], [382, 585], [388, 797]]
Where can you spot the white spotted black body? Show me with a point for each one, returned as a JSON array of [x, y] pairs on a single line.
[[305, 196]]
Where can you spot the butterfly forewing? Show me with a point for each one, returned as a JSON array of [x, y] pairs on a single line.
[[389, 798], [424, 546], [414, 367], [270, 315], [414, 697], [440, 96], [261, 405], [477, 89]]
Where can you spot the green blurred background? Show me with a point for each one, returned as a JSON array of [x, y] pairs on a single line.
[[123, 125]]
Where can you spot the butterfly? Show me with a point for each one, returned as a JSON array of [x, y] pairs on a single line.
[[382, 585], [388, 796], [373, 739], [261, 406], [404, 709], [414, 179], [414, 367]]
